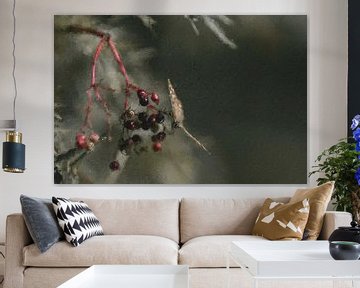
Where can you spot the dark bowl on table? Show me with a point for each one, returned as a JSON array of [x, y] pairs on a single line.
[[344, 250]]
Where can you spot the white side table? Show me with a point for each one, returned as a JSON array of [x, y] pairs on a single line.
[[294, 260]]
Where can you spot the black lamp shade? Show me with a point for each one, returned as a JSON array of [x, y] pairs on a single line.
[[13, 157]]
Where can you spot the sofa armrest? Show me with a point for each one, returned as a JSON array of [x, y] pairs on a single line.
[[17, 237], [333, 220]]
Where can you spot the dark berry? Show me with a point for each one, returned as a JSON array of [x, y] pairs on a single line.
[[114, 165], [136, 139], [142, 116], [160, 117], [155, 98], [161, 136], [131, 125], [156, 146], [141, 94], [144, 101], [145, 125], [152, 118]]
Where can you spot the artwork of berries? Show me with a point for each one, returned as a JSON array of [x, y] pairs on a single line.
[[182, 99]]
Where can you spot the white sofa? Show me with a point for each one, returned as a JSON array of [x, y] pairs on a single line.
[[194, 232]]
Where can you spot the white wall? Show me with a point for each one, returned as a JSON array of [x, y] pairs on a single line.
[[326, 74]]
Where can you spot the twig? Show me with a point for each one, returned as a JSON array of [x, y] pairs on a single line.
[[68, 154], [179, 117], [105, 39]]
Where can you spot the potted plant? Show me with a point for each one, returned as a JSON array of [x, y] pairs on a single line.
[[341, 163]]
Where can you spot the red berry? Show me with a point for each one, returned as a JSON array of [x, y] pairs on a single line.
[[155, 98], [141, 93], [81, 142], [157, 146], [114, 165], [94, 137]]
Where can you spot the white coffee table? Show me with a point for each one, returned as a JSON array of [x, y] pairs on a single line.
[[296, 260], [131, 276]]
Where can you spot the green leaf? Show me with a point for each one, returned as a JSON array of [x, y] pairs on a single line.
[[339, 163]]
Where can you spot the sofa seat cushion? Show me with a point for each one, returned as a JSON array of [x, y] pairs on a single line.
[[108, 249], [211, 251]]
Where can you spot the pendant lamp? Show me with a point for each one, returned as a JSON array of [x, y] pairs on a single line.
[[13, 160]]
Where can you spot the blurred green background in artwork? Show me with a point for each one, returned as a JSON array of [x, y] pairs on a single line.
[[242, 81]]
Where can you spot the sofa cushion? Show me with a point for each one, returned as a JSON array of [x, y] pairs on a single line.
[[77, 220], [211, 251], [319, 198], [200, 217], [107, 249], [158, 217], [279, 221], [41, 221]]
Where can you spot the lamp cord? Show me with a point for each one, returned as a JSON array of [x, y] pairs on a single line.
[[14, 60]]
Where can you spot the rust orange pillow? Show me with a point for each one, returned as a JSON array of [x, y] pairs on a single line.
[[319, 198], [279, 221]]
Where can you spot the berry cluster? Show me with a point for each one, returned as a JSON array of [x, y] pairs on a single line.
[[135, 125], [87, 142], [138, 124], [142, 121], [141, 125], [144, 97]]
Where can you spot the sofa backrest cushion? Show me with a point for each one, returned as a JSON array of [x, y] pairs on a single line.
[[200, 217], [159, 217]]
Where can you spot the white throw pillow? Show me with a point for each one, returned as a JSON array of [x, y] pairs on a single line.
[[76, 220]]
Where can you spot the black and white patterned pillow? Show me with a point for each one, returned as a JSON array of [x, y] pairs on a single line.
[[77, 220]]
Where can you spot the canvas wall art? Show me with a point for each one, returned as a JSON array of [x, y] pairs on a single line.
[[180, 99]]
